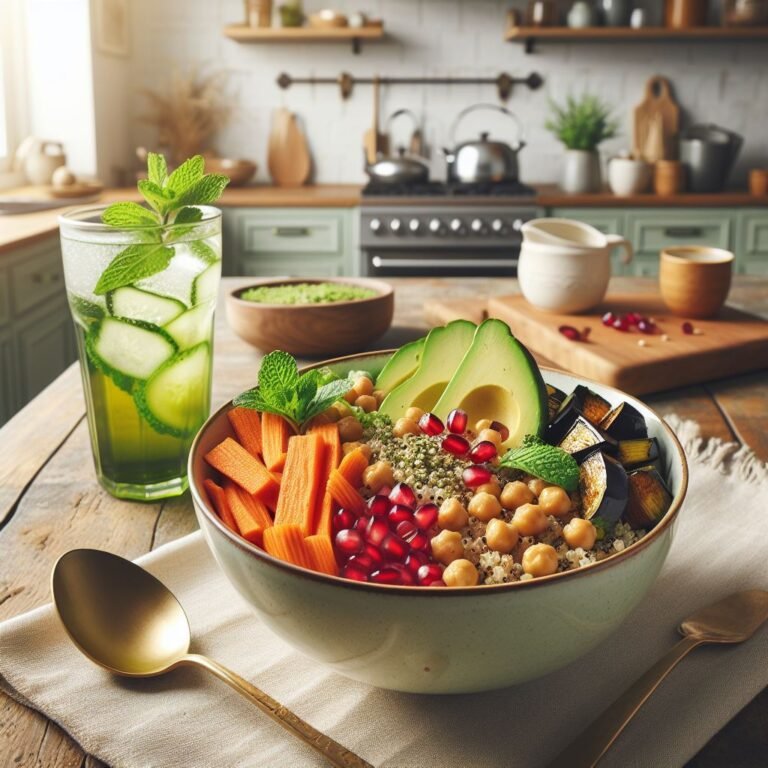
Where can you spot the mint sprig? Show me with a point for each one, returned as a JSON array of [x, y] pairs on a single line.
[[283, 391], [548, 462], [171, 199]]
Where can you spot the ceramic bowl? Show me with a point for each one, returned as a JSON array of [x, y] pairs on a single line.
[[313, 330], [695, 280], [442, 640]]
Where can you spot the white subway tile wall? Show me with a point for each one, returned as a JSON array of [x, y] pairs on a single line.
[[719, 82]]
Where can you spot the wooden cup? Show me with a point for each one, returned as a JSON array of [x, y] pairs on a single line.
[[695, 279], [668, 177], [758, 182]]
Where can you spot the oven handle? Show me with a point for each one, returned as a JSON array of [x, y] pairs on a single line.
[[380, 262]]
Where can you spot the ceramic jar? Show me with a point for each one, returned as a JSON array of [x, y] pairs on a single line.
[[581, 15], [581, 171], [627, 176], [42, 159], [668, 177]]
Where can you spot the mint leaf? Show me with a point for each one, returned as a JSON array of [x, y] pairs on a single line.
[[203, 251], [186, 175], [547, 462], [134, 263], [206, 190], [326, 396], [155, 196], [129, 216], [157, 170], [278, 372], [188, 215]]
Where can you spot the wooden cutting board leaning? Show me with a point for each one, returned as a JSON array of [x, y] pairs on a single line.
[[656, 122], [288, 158]]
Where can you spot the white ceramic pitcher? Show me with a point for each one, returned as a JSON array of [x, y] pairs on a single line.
[[565, 265]]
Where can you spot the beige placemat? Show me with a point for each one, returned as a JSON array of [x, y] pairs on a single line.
[[188, 720]]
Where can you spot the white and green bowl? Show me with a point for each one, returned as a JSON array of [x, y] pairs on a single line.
[[442, 640]]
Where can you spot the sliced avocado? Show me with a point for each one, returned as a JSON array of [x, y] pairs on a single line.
[[498, 380], [444, 349], [401, 366]]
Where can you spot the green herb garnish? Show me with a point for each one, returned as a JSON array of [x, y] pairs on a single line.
[[295, 397], [172, 199], [548, 462]]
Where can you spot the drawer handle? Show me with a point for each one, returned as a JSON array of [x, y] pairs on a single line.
[[40, 278], [290, 231], [683, 231]]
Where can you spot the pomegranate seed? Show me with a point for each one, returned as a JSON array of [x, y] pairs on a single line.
[[415, 560], [349, 542], [376, 531], [457, 421], [429, 573], [362, 523], [398, 514], [455, 444], [430, 424], [365, 562], [475, 475], [419, 541], [646, 326], [386, 575], [501, 429], [394, 548], [438, 583], [608, 319], [570, 332], [687, 328], [405, 528], [342, 520], [402, 494], [379, 505], [633, 318], [620, 324], [385, 490], [354, 572], [372, 551], [483, 451], [426, 516], [407, 578]]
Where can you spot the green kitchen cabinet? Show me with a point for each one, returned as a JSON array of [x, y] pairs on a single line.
[[752, 242], [317, 242], [7, 384]]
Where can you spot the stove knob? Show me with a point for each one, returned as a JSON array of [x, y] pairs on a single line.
[[517, 225], [414, 225], [498, 227], [456, 226], [395, 225], [436, 226], [477, 226], [375, 226]]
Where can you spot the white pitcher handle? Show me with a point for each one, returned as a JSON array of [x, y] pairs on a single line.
[[615, 241]]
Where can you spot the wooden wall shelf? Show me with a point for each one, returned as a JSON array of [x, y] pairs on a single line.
[[530, 35], [242, 33]]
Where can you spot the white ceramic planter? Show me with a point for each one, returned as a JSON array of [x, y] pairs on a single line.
[[581, 171]]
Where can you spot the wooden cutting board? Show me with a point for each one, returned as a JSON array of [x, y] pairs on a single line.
[[656, 122], [288, 155], [735, 342]]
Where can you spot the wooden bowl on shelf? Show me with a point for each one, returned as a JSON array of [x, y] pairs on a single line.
[[313, 330], [328, 19], [239, 171]]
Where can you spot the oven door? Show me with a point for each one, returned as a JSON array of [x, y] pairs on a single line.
[[443, 263]]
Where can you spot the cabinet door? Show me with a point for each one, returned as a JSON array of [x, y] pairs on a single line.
[[752, 243], [36, 277], [8, 404], [269, 266], [5, 300], [610, 221]]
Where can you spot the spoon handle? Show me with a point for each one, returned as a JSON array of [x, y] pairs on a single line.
[[586, 749], [334, 752]]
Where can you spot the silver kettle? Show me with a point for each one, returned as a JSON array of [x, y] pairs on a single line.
[[483, 160], [400, 168]]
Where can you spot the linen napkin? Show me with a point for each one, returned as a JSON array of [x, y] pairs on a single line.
[[192, 720]]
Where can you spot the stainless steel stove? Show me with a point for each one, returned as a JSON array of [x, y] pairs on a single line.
[[444, 230]]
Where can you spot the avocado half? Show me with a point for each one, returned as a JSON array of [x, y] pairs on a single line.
[[498, 379], [401, 366]]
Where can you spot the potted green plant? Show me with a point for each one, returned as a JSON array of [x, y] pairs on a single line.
[[582, 124]]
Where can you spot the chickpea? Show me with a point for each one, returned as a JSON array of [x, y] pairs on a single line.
[[378, 475], [379, 395], [350, 429], [580, 533], [331, 414], [515, 494], [530, 519], [482, 424], [537, 486], [539, 560], [492, 487], [501, 536], [484, 506], [452, 515], [404, 427], [414, 413], [342, 409], [363, 386], [460, 573], [491, 435], [555, 501], [447, 547], [367, 403], [364, 447], [351, 395]]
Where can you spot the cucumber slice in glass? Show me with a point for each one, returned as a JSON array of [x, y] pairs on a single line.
[[192, 327], [137, 304], [128, 350], [205, 286], [175, 399]]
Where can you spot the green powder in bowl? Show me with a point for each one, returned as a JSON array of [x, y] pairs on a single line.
[[307, 293]]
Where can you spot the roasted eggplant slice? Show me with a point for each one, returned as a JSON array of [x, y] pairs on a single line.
[[588, 403], [555, 399], [649, 498], [583, 435], [603, 488], [644, 450], [624, 422]]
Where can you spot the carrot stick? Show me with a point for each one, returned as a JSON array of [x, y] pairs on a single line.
[[329, 433], [321, 554], [286, 542], [247, 426], [251, 515], [219, 502], [301, 482], [352, 467], [275, 431], [234, 462], [344, 493]]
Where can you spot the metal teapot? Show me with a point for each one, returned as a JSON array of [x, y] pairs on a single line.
[[402, 168], [483, 160]]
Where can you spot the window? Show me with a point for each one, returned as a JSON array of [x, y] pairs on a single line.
[[12, 105]]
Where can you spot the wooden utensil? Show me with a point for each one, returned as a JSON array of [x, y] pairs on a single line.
[[288, 157], [374, 141], [657, 113]]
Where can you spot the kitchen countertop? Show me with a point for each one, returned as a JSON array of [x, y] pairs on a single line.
[[50, 501], [21, 229]]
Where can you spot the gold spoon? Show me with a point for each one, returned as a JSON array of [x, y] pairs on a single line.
[[731, 620], [125, 620]]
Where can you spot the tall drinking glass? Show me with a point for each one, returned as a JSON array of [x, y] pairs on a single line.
[[145, 349]]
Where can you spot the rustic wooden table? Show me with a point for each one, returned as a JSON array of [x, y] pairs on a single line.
[[50, 501]]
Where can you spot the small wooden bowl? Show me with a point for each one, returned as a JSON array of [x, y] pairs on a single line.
[[313, 330], [239, 171]]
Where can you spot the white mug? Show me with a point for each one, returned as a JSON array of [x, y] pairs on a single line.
[[627, 176], [565, 265]]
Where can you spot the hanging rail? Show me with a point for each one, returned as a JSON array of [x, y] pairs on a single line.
[[346, 82]]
